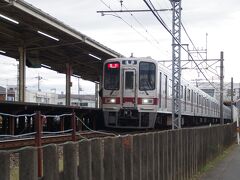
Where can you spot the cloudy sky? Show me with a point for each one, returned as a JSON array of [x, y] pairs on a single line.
[[141, 34]]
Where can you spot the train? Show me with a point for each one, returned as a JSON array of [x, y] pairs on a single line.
[[137, 93]]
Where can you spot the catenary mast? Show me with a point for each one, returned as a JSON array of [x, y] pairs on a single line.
[[176, 64]]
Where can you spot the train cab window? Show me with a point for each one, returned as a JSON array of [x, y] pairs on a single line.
[[112, 76], [129, 80], [185, 98], [165, 89], [197, 101], [147, 76]]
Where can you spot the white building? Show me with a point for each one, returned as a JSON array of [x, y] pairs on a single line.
[[47, 97], [78, 100], [41, 97]]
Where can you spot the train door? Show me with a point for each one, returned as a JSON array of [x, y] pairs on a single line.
[[129, 88]]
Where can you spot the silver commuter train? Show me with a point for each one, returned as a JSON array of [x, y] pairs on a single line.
[[137, 94]]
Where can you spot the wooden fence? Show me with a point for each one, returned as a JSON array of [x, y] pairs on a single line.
[[166, 155]]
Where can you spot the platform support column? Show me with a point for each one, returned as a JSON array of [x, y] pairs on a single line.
[[96, 95], [68, 83], [21, 74]]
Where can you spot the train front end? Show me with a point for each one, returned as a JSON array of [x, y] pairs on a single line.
[[129, 98]]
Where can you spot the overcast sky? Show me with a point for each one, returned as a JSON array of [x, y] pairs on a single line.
[[142, 35]]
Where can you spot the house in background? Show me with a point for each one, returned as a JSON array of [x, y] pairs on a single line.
[[10, 91], [2, 93]]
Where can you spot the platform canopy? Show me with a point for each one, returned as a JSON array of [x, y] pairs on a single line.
[[49, 42]]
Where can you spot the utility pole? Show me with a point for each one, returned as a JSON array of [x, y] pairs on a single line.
[[221, 88], [39, 78], [176, 64]]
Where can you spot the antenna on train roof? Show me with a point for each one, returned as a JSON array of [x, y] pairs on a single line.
[[131, 55]]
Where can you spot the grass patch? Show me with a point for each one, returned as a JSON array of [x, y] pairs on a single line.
[[213, 163]]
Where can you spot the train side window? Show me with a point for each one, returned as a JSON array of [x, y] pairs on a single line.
[[166, 94], [188, 94], [197, 101], [181, 92], [170, 87], [160, 89], [192, 100], [185, 98]]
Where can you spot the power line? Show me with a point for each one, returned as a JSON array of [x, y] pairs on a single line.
[[194, 48], [132, 15], [152, 8], [115, 14]]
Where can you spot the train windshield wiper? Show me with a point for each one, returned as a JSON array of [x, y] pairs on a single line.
[[145, 82], [146, 91], [112, 92]]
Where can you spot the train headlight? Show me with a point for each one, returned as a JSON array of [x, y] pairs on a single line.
[[147, 101], [110, 100]]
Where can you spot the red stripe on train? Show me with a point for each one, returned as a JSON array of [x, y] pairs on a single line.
[[129, 99]]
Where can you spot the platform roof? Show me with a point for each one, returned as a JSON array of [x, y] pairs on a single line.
[[69, 46]]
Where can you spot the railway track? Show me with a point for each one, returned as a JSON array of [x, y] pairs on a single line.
[[56, 139], [14, 143]]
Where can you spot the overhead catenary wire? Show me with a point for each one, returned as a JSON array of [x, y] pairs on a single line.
[[131, 26], [138, 21], [194, 48], [156, 14]]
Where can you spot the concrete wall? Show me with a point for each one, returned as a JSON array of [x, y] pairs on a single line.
[[167, 155]]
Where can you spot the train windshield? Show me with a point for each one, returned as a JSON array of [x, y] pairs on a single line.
[[147, 76], [112, 76]]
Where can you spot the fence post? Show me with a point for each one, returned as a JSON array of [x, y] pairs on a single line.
[[4, 165], [70, 161], [38, 140], [97, 159], [136, 157], [128, 153], [144, 156], [50, 163], [28, 164], [156, 156], [119, 158], [73, 123], [85, 166], [150, 157], [108, 160]]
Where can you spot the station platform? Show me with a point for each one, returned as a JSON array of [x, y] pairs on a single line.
[[226, 169]]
